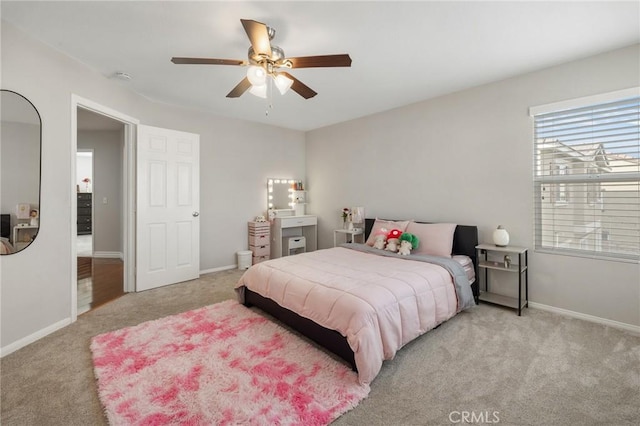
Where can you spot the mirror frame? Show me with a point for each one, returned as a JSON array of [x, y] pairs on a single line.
[[38, 209]]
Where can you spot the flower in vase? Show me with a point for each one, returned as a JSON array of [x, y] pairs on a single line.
[[345, 213], [86, 181]]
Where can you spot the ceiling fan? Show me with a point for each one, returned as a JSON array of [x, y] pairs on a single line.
[[267, 61]]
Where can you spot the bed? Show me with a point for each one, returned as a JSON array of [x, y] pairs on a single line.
[[361, 303]]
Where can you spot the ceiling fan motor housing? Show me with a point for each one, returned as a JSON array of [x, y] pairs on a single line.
[[277, 55]]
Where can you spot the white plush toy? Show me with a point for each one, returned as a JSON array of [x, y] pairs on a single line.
[[393, 239], [380, 241], [408, 242], [392, 245], [405, 248]]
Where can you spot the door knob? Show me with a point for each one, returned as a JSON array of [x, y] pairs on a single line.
[[195, 214]]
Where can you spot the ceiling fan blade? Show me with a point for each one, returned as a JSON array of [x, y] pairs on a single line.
[[258, 35], [343, 60], [242, 87], [208, 61], [299, 87]]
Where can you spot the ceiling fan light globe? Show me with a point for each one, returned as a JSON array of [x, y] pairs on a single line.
[[283, 83], [257, 75], [259, 91]]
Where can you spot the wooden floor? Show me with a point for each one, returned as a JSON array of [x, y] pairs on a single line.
[[99, 281]]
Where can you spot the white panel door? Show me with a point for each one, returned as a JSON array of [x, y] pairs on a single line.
[[168, 203]]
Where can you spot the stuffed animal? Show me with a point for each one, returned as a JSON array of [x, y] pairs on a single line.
[[394, 233], [380, 241], [405, 248], [408, 242], [393, 239], [392, 245]]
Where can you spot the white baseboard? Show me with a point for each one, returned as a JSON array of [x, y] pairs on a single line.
[[221, 268], [12, 347], [108, 255], [591, 318]]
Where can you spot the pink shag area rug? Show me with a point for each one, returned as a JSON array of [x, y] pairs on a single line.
[[221, 364]]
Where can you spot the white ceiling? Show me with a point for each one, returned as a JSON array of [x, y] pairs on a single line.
[[403, 52]]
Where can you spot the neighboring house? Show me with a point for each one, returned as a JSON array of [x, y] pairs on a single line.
[[587, 213]]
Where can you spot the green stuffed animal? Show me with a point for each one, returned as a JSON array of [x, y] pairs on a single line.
[[408, 242]]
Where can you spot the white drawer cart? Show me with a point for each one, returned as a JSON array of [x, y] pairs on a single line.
[[493, 257], [259, 241]]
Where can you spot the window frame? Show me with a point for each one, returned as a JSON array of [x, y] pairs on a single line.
[[557, 181]]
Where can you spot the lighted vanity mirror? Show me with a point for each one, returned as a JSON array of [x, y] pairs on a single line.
[[280, 194], [20, 153]]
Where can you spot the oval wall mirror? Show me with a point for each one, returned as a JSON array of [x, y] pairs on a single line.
[[20, 153]]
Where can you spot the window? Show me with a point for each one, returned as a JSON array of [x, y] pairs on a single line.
[[587, 176]]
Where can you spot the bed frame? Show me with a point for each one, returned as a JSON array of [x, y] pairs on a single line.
[[465, 240], [5, 226]]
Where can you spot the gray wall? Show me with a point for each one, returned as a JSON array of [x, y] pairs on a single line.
[[237, 157], [467, 158], [108, 220]]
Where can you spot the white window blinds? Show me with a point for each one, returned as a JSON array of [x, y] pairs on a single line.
[[587, 178]]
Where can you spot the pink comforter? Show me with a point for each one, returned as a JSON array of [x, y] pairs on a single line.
[[378, 303]]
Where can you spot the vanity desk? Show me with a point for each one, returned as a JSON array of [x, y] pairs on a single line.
[[285, 227]]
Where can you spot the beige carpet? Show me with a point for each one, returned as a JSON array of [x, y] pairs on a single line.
[[539, 369]]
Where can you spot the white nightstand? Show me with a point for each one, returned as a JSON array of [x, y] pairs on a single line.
[[348, 232], [23, 235]]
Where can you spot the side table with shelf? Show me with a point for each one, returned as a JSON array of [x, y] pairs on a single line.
[[348, 232], [23, 235], [521, 268]]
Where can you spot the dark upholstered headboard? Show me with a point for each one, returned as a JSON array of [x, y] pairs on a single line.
[[5, 225], [465, 239]]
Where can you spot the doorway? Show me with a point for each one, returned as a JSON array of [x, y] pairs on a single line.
[[111, 193], [99, 240]]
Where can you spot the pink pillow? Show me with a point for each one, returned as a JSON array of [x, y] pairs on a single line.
[[388, 225], [436, 239]]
